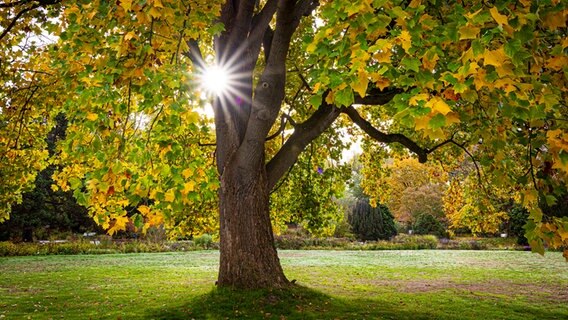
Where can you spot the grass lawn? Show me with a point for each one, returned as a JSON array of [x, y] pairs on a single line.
[[332, 285]]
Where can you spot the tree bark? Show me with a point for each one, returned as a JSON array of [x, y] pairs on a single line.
[[248, 256]]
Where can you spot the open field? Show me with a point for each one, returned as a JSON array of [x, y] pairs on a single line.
[[333, 285]]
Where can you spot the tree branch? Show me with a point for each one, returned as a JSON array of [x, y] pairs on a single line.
[[280, 129], [304, 133], [368, 128], [39, 3], [194, 54], [13, 4], [13, 22], [378, 97]]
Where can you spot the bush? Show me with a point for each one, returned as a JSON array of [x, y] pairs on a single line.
[[517, 219], [428, 224], [400, 242], [370, 223], [204, 241]]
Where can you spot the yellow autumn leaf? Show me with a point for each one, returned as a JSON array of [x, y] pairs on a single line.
[[330, 98], [311, 47], [452, 117], [495, 57], [555, 20], [123, 202], [422, 123], [559, 164], [563, 234], [188, 187], [506, 69], [92, 116], [129, 35], [186, 173], [158, 4], [382, 83], [126, 4], [419, 97], [506, 84], [415, 3], [383, 56], [360, 85], [144, 210], [472, 15], [405, 40], [529, 197], [438, 104], [429, 60], [170, 195], [154, 13], [557, 63], [119, 224], [499, 18], [468, 32]]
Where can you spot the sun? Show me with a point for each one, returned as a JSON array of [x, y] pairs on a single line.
[[215, 80]]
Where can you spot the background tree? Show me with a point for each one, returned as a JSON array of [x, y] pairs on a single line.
[[43, 207], [444, 73], [371, 223], [407, 187]]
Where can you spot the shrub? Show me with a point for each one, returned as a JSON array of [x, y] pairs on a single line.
[[428, 224], [204, 241], [370, 223], [415, 242], [517, 219], [400, 242]]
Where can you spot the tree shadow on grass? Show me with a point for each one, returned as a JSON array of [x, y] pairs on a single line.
[[296, 302], [300, 302]]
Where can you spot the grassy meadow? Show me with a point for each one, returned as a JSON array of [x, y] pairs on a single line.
[[421, 284]]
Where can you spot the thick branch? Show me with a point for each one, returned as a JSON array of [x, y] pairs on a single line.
[[304, 133], [368, 128], [269, 92], [280, 129], [267, 42], [378, 97], [194, 54]]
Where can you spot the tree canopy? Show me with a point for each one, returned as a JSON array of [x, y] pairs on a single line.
[[439, 78]]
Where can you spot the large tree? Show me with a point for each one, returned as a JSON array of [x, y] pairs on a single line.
[[475, 77]]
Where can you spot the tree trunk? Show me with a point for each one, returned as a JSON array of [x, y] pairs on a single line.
[[248, 255]]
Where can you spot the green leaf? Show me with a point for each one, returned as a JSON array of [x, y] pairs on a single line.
[[315, 100], [411, 64], [344, 97], [75, 183], [437, 121], [512, 47]]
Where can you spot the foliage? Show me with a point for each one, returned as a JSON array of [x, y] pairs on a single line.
[[204, 241], [428, 224], [73, 247], [406, 186], [308, 194], [45, 208], [371, 223], [468, 207]]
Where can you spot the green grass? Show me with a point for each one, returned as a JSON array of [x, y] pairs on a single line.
[[332, 285]]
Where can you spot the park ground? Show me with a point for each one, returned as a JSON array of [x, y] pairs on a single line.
[[423, 284]]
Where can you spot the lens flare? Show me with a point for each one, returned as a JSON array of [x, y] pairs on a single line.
[[215, 80]]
